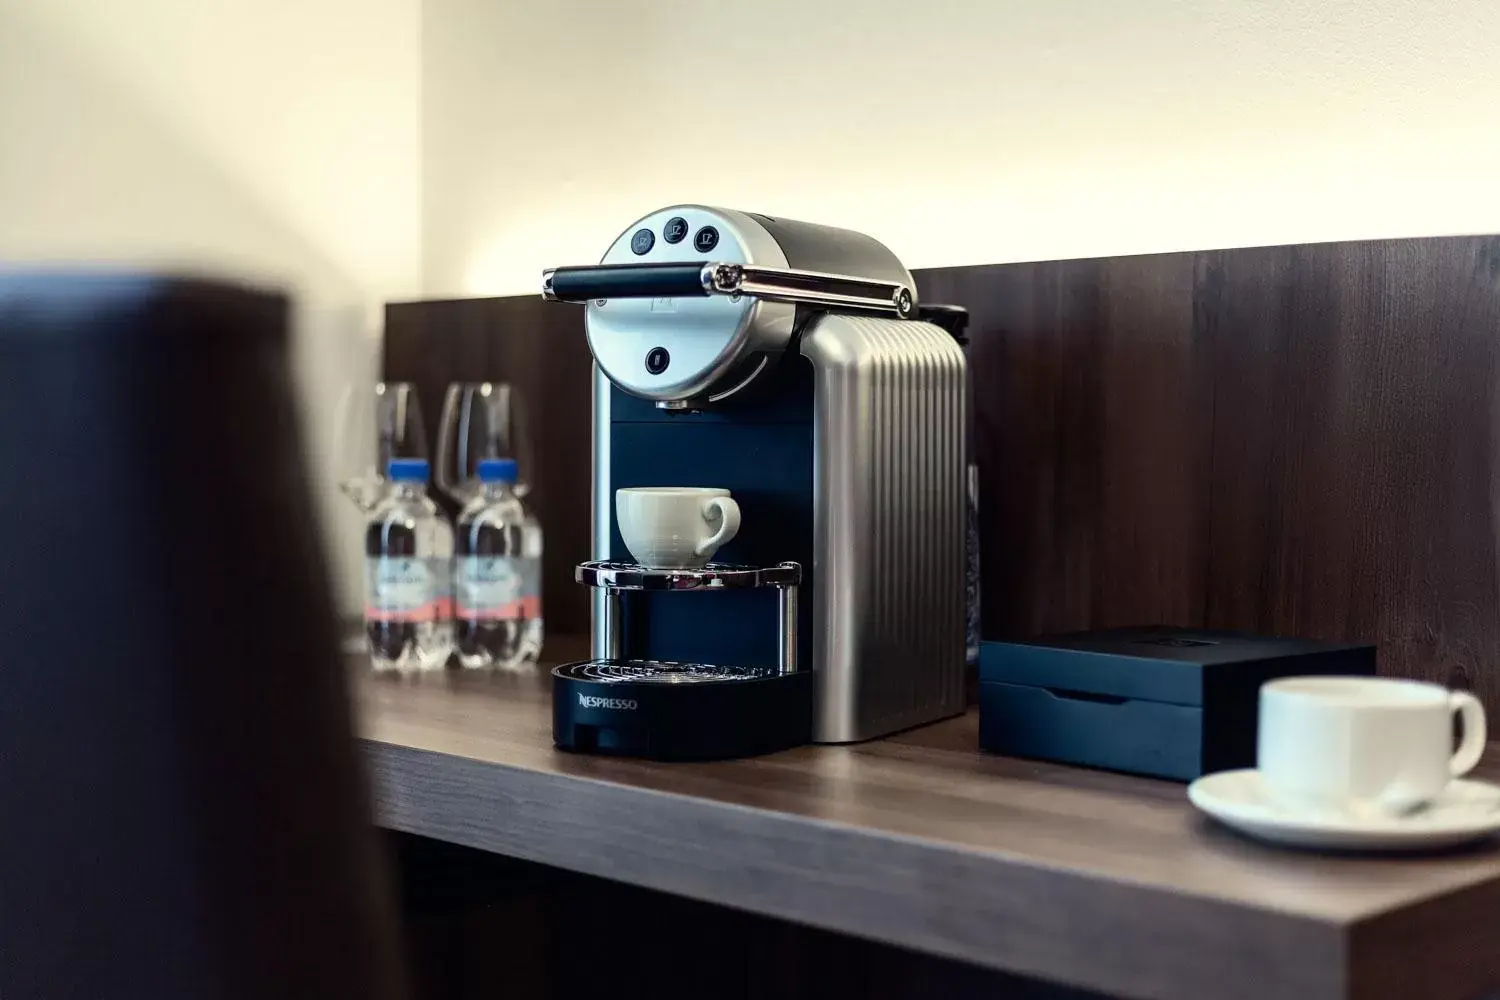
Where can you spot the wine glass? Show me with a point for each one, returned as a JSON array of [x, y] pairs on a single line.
[[376, 423], [480, 420]]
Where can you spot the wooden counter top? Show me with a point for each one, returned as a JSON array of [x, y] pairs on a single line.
[[1081, 877]]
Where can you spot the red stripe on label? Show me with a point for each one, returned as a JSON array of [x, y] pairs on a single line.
[[411, 616], [525, 607]]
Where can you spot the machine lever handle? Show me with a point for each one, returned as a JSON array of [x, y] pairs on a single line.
[[773, 284], [624, 281]]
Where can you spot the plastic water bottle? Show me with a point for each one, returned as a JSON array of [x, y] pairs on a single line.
[[498, 574], [408, 574]]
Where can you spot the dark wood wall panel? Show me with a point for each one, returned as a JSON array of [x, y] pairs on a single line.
[[1090, 383], [1362, 503], [1297, 440]]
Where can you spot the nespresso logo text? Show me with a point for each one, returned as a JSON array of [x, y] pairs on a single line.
[[594, 701]]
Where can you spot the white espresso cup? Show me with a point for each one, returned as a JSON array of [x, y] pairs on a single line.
[[1363, 746], [675, 527]]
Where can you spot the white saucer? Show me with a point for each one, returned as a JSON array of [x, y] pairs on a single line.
[[1467, 810]]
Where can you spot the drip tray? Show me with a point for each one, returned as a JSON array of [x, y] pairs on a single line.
[[679, 711], [658, 672]]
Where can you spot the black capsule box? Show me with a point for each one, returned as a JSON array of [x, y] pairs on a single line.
[[1166, 702]]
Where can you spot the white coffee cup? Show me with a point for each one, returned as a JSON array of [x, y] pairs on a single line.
[[675, 527], [1363, 746]]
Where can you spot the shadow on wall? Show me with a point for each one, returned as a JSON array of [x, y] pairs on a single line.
[[89, 175]]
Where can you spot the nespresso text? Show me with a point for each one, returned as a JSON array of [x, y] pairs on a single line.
[[594, 701]]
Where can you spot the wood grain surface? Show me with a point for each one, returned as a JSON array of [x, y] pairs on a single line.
[[1294, 440], [1089, 879], [482, 926]]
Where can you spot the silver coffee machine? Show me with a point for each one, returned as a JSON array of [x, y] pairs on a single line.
[[788, 363]]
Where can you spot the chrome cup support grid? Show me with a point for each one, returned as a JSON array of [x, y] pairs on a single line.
[[616, 578], [659, 672]]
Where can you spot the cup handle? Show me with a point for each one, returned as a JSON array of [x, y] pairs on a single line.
[[729, 526], [1470, 750]]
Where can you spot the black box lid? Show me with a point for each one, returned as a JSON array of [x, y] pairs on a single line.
[[1150, 663]]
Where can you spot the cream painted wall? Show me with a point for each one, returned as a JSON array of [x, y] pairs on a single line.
[[362, 150], [273, 140], [958, 131]]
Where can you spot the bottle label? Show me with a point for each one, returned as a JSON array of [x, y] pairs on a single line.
[[499, 588], [402, 589], [440, 569]]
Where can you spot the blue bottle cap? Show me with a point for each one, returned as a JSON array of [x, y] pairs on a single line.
[[497, 470], [407, 470]]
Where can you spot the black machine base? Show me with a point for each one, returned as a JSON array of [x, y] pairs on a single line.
[[679, 711]]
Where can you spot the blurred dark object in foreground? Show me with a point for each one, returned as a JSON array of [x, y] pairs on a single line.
[[181, 808]]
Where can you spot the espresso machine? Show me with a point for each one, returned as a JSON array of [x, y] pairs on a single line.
[[790, 364]]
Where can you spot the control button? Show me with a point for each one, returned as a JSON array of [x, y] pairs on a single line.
[[706, 240], [642, 241], [675, 229], [657, 360]]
